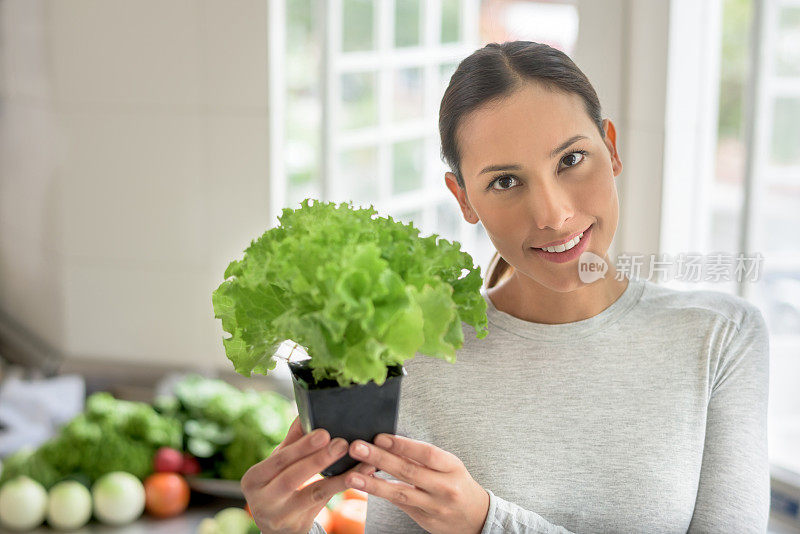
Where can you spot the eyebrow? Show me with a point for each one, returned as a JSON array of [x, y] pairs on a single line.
[[517, 166]]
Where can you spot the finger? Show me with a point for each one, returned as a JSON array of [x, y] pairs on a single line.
[[397, 466], [397, 492], [266, 470], [298, 472], [295, 432], [421, 452], [321, 491]]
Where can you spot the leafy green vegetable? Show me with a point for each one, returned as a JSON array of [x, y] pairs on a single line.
[[229, 430], [110, 435], [361, 293]]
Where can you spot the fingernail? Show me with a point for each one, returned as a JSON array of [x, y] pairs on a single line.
[[318, 438], [361, 450], [356, 482], [338, 446]]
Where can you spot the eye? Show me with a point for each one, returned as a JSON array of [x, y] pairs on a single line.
[[576, 158], [501, 179], [575, 154]]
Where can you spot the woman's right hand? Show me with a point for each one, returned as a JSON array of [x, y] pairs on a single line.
[[271, 486]]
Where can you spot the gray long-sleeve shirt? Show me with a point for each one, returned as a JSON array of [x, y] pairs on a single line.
[[648, 417]]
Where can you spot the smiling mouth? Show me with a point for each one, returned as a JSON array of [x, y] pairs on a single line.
[[563, 247]]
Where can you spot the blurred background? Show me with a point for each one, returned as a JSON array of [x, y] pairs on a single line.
[[144, 144]]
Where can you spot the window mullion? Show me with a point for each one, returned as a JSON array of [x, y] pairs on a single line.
[[331, 11], [757, 120], [384, 23]]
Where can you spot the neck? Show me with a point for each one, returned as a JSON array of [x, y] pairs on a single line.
[[526, 299]]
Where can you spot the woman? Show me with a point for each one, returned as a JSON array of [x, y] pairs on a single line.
[[613, 405]]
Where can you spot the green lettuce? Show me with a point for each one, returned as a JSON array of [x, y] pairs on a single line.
[[359, 292]]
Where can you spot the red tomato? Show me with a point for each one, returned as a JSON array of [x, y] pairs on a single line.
[[350, 517], [167, 460], [166, 494], [190, 465], [352, 493]]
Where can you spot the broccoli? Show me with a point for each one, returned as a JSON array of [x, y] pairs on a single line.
[[110, 435]]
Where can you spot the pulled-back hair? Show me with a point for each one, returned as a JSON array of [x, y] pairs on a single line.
[[492, 73]]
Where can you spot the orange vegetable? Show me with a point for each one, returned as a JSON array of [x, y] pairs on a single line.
[[352, 493], [247, 509], [325, 519], [166, 494], [350, 517]]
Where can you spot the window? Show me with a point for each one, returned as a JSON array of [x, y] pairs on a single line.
[[362, 82], [355, 93], [772, 215], [732, 179]]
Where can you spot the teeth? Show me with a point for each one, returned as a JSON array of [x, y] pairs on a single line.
[[565, 246]]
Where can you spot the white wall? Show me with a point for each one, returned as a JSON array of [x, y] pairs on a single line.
[[623, 49], [134, 168]]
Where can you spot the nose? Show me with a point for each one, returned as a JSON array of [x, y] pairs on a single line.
[[550, 205]]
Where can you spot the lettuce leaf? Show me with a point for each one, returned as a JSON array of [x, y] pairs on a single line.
[[360, 292]]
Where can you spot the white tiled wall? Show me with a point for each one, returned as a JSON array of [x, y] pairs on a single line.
[[134, 169]]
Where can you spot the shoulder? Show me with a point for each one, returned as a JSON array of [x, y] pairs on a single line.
[[713, 306]]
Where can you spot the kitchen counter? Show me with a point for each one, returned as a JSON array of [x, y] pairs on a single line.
[[200, 507]]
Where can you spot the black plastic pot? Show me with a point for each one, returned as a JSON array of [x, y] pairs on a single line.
[[360, 411]]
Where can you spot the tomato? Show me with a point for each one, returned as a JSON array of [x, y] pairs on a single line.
[[325, 519], [190, 465], [350, 517], [352, 493], [167, 460], [166, 494]]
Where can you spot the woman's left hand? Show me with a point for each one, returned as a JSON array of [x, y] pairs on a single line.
[[433, 486]]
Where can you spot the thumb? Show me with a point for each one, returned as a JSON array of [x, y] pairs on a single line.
[[295, 432]]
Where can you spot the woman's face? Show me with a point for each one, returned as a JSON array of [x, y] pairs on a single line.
[[550, 194]]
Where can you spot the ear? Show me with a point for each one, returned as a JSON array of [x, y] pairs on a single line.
[[611, 144], [461, 196]]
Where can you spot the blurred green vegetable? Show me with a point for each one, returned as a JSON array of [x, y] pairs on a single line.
[[110, 435], [227, 429]]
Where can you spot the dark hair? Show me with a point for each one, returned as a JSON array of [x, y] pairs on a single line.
[[494, 72]]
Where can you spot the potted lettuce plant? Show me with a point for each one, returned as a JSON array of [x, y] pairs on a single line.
[[361, 294]]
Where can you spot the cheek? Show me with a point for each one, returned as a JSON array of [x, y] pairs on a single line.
[[505, 230], [595, 193]]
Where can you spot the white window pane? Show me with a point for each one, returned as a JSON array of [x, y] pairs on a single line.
[[451, 21], [414, 216], [359, 100], [788, 42], [407, 23], [448, 220], [357, 176], [785, 143], [446, 71], [408, 95], [779, 215], [779, 290], [358, 27], [407, 165]]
